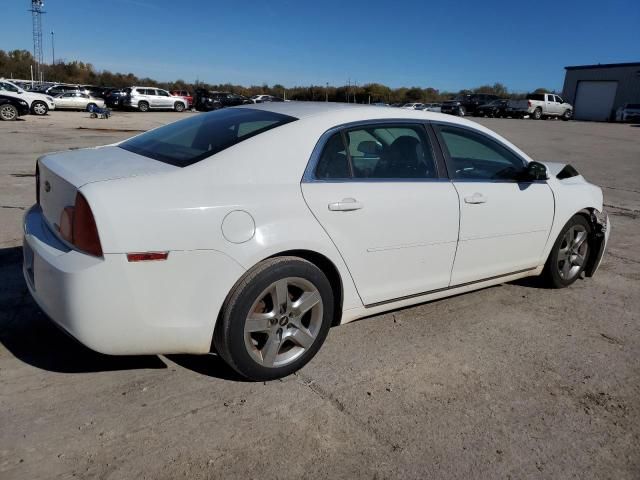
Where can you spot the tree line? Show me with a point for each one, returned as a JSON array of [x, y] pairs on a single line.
[[17, 64]]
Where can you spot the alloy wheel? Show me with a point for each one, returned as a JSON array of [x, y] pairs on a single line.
[[8, 112], [284, 322], [39, 108], [573, 252]]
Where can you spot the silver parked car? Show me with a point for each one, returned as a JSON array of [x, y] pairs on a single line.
[[149, 98], [77, 101], [628, 112]]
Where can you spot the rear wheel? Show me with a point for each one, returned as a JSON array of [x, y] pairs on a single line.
[[537, 114], [91, 107], [570, 253], [275, 319], [143, 106], [39, 108], [178, 107], [462, 111], [8, 112]]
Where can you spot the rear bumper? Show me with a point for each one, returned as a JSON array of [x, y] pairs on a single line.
[[121, 308]]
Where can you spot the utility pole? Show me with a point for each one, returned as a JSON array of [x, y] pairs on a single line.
[[36, 19], [53, 48]]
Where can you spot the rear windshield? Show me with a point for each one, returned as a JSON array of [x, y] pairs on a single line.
[[189, 141], [536, 96]]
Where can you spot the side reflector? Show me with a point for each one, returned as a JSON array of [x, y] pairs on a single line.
[[147, 256], [66, 223]]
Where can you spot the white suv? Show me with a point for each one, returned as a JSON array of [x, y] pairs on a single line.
[[39, 104], [149, 98]]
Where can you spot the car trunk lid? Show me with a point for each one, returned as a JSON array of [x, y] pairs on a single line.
[[63, 173]]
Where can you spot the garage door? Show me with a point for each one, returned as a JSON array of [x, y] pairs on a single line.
[[594, 100]]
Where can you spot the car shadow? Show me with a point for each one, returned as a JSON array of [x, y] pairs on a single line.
[[531, 282], [209, 365], [27, 333]]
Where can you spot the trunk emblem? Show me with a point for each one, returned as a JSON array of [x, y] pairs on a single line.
[[47, 186]]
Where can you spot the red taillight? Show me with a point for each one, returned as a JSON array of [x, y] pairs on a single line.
[[147, 256], [78, 227], [529, 103], [37, 183]]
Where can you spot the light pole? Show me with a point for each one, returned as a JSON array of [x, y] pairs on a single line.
[[326, 93], [53, 48]]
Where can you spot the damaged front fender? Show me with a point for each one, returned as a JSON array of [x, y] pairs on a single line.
[[599, 239]]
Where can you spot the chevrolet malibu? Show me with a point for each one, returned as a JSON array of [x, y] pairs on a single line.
[[249, 231]]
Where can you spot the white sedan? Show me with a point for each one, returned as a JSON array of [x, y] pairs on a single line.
[[249, 231], [77, 101]]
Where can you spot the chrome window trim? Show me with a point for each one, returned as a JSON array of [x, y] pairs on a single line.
[[309, 173]]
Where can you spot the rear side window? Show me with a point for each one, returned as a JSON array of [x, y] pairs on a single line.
[[189, 141], [377, 152]]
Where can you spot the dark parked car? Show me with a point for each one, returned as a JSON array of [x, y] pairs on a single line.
[[113, 99], [465, 104], [206, 100], [11, 107], [492, 109]]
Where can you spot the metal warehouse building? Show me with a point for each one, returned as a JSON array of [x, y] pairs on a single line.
[[596, 91]]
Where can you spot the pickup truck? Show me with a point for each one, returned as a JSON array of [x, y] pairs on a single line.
[[540, 105]]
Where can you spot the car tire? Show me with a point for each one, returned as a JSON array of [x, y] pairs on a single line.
[[462, 111], [567, 115], [570, 254], [143, 106], [39, 108], [537, 114], [90, 107], [178, 107], [8, 112], [263, 333]]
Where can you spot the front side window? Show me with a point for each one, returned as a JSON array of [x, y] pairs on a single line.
[[475, 156], [8, 87], [191, 140], [388, 152]]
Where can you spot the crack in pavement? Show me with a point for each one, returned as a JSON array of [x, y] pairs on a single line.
[[620, 189], [338, 405]]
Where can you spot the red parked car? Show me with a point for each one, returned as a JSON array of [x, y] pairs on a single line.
[[184, 94]]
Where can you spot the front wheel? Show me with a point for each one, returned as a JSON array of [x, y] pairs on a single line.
[[462, 111], [275, 319], [91, 107], [39, 108], [178, 107], [8, 112], [567, 115], [569, 255]]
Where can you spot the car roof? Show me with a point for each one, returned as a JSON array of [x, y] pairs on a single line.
[[335, 112]]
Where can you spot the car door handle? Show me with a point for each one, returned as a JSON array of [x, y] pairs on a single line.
[[476, 198], [345, 205]]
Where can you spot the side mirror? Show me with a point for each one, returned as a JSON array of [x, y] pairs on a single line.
[[537, 171]]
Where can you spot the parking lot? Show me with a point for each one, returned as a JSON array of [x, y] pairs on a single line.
[[514, 381]]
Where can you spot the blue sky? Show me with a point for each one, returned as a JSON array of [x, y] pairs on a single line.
[[448, 44]]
